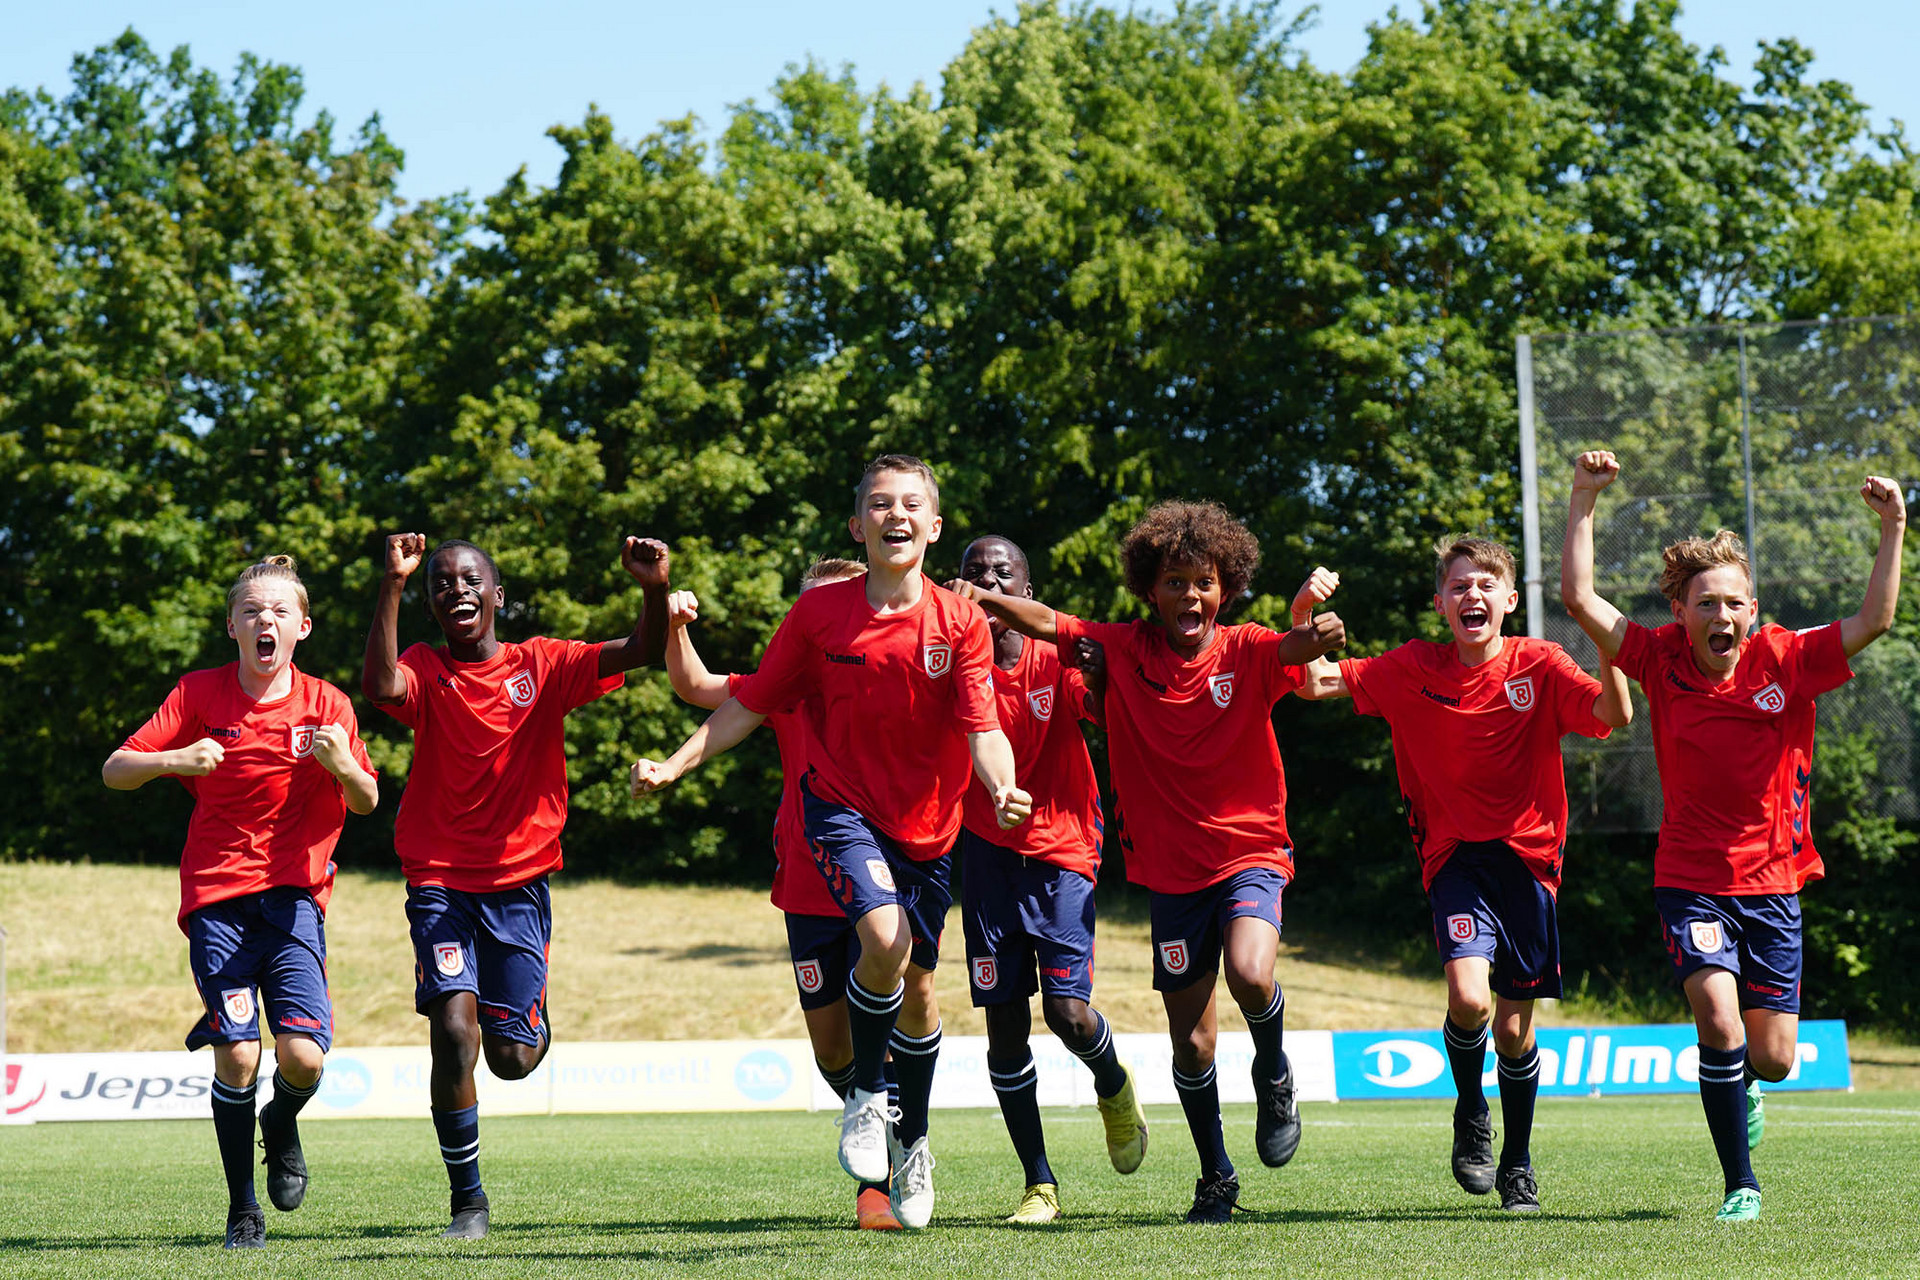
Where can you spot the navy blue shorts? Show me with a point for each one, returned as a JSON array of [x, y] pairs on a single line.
[[492, 944], [1029, 925], [275, 941], [824, 951], [1188, 927], [865, 870], [1755, 937], [1486, 903]]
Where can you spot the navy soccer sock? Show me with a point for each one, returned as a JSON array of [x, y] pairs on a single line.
[[1017, 1086], [1200, 1099], [1723, 1096], [1099, 1055], [841, 1081], [288, 1100], [1519, 1086], [870, 1017], [460, 1148], [913, 1061], [1467, 1055], [233, 1129], [1269, 1060]]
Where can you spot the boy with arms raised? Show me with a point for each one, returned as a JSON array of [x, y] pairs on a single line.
[[892, 674], [1202, 802], [273, 760], [1028, 892], [1732, 710], [479, 826], [1477, 724]]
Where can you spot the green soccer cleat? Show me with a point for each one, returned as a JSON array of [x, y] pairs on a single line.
[[1756, 1114], [1741, 1205], [1126, 1126]]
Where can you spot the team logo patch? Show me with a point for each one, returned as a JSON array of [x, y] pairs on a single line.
[[1040, 701], [882, 873], [520, 688], [937, 658], [1461, 928], [1706, 935], [807, 974], [1221, 687], [1173, 957], [238, 1005], [985, 973], [449, 959], [1520, 693], [300, 738], [1772, 699]]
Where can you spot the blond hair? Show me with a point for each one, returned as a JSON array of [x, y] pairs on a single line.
[[904, 463], [830, 569], [274, 568], [1688, 558], [1483, 554]]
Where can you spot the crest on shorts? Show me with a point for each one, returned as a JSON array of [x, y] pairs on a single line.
[[882, 873], [300, 738], [521, 688], [807, 974], [1040, 701], [1520, 693], [1706, 935], [1173, 957], [238, 1005], [937, 658], [1772, 699], [1461, 928], [1221, 687], [448, 959], [985, 973]]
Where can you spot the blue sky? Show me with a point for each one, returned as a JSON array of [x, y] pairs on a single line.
[[469, 89]]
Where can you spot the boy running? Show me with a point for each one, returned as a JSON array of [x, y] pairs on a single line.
[[273, 760], [1732, 711], [893, 676], [1027, 899], [1202, 802], [479, 826], [1477, 724]]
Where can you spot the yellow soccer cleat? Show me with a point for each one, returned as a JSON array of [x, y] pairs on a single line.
[[1040, 1205], [1126, 1126]]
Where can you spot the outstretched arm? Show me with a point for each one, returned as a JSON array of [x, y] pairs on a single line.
[[128, 770], [1604, 624], [688, 675], [719, 732], [646, 560], [380, 677], [1613, 706], [1029, 617], [1323, 678], [1883, 585], [993, 765]]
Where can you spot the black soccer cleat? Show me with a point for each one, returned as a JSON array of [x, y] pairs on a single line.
[[1473, 1165], [246, 1229], [1214, 1197], [1518, 1191], [470, 1221], [286, 1163], [1276, 1122]]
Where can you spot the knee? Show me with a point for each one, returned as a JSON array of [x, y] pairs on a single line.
[[511, 1060], [1768, 1062], [1193, 1051], [1250, 987], [237, 1065], [298, 1058], [1470, 1010], [1511, 1038], [1071, 1020]]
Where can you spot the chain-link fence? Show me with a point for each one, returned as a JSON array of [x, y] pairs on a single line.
[[1767, 430]]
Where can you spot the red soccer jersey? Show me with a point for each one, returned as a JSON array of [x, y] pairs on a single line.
[[270, 814], [1478, 748], [1041, 704], [1190, 745], [1736, 758], [487, 796], [798, 887], [889, 699]]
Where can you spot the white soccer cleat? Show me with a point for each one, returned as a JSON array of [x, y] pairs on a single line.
[[864, 1135], [911, 1190]]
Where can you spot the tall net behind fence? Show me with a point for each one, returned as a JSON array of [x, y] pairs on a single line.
[[1767, 430]]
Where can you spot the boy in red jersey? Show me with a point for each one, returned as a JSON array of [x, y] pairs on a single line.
[[1027, 900], [820, 938], [273, 760], [479, 824], [1202, 802], [892, 673], [1732, 711], [1477, 724]]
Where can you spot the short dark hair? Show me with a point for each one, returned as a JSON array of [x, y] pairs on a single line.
[[1019, 555], [454, 544], [896, 462], [1189, 533]]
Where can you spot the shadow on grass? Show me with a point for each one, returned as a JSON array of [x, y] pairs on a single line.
[[725, 953]]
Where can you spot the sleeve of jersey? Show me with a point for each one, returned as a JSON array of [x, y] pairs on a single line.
[[974, 703], [1358, 673], [166, 728], [346, 719], [1073, 686], [1574, 692], [577, 664], [1818, 661], [784, 676], [1282, 678], [407, 710], [1636, 656]]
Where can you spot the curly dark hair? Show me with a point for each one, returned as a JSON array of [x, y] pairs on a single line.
[[1189, 533]]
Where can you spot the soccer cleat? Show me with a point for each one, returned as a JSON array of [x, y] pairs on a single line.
[[873, 1211], [1040, 1204], [470, 1220], [286, 1163], [1473, 1165], [1126, 1125], [911, 1187], [246, 1229], [1214, 1197], [1519, 1193], [1756, 1114], [1741, 1205], [864, 1133], [1276, 1122]]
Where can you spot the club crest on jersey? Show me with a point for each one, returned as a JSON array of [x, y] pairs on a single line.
[[1520, 693], [1772, 699], [300, 738], [1706, 935], [1173, 957], [521, 688], [238, 1005], [937, 659], [985, 973], [1040, 701], [807, 974], [882, 873], [1461, 928], [449, 959], [1221, 687]]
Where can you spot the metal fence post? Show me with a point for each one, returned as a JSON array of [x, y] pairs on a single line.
[[1529, 489], [1746, 458]]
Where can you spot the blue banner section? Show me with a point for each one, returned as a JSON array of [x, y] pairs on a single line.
[[1573, 1061]]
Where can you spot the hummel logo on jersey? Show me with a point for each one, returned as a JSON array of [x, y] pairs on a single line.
[[223, 733], [521, 688], [448, 959], [1706, 935], [1040, 701], [1461, 928], [1221, 687], [807, 974], [1173, 957], [300, 738], [848, 659], [1520, 693], [937, 658], [1772, 699], [985, 973], [238, 1004]]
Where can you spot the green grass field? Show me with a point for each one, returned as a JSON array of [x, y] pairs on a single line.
[[1629, 1187]]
